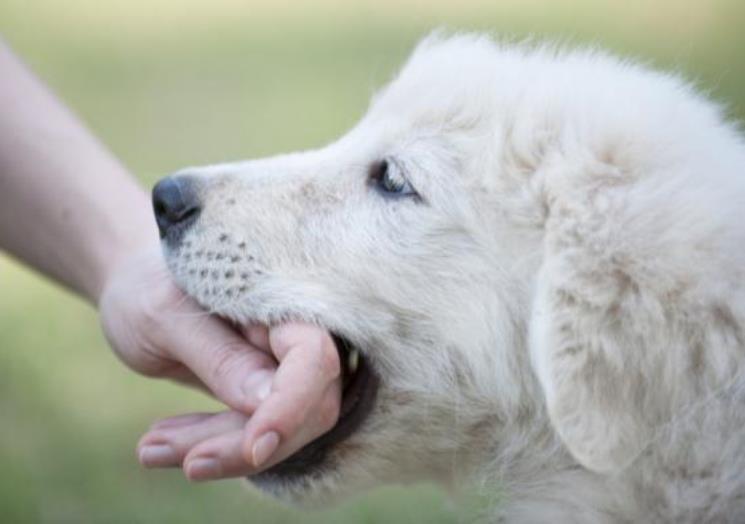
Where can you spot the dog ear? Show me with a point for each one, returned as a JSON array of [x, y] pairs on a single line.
[[595, 346]]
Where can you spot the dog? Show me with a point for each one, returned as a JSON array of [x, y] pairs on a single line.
[[532, 260]]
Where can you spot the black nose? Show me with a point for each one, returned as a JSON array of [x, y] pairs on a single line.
[[176, 206]]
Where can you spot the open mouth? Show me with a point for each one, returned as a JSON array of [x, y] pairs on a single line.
[[360, 386]]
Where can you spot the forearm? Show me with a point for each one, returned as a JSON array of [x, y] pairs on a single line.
[[67, 207]]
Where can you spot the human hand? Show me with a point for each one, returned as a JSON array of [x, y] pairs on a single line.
[[288, 379], [303, 404], [73, 212]]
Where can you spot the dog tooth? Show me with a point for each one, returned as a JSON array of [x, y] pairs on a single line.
[[353, 361]]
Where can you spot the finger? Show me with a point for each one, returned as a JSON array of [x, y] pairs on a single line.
[[305, 398], [222, 456], [258, 336], [167, 446], [180, 420], [218, 457], [269, 450], [237, 373]]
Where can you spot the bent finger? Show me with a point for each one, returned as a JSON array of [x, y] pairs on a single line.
[[221, 456], [269, 449], [305, 397]]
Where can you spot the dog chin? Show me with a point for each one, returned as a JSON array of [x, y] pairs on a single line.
[[312, 490], [320, 487]]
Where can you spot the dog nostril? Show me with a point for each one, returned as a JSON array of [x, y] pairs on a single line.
[[176, 206], [160, 208]]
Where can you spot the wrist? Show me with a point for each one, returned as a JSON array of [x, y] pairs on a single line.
[[132, 232]]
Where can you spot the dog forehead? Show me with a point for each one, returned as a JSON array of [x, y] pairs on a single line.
[[445, 84]]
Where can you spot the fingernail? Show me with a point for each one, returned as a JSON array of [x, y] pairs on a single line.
[[264, 447], [158, 455], [257, 386], [203, 469]]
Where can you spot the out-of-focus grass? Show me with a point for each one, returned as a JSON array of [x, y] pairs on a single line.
[[168, 84]]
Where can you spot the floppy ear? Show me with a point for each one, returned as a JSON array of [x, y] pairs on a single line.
[[594, 342]]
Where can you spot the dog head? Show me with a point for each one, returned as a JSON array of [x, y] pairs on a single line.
[[421, 240], [385, 239]]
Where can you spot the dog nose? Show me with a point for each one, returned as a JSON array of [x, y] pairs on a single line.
[[176, 206]]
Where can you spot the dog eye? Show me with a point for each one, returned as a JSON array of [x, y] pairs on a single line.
[[387, 178]]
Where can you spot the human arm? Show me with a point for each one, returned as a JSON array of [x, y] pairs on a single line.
[[69, 209]]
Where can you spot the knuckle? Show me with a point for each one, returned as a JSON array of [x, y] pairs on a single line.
[[289, 423], [224, 360]]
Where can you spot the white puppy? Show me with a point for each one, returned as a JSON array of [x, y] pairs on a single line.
[[533, 262]]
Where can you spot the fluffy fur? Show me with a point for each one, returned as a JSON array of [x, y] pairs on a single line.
[[559, 314]]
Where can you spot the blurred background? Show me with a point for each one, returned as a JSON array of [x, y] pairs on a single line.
[[168, 84]]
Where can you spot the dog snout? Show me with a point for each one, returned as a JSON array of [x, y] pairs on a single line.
[[176, 206]]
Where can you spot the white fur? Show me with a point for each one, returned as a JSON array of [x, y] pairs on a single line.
[[560, 317]]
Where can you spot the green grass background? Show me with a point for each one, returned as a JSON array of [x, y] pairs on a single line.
[[168, 84]]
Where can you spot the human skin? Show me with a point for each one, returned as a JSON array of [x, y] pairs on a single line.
[[69, 209]]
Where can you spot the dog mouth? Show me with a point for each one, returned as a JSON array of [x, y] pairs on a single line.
[[359, 389], [360, 384]]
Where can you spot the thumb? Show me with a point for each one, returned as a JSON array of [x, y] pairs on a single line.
[[159, 331], [237, 373]]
